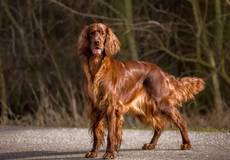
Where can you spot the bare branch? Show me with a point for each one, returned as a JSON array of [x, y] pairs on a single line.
[[113, 9], [224, 74], [84, 14], [19, 28], [178, 57], [15, 23], [228, 2]]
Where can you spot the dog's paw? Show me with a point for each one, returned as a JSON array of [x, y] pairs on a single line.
[[91, 154], [148, 146], [109, 155], [186, 146], [117, 148]]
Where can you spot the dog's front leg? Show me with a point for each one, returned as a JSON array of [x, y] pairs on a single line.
[[97, 129], [111, 119]]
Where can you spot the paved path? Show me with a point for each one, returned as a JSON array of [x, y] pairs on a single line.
[[72, 143]]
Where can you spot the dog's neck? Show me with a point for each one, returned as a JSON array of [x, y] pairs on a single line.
[[95, 63]]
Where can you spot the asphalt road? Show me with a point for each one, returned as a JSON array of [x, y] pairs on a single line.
[[72, 143]]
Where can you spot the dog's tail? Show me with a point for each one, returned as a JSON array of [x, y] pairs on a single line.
[[185, 88]]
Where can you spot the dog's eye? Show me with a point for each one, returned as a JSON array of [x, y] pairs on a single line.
[[92, 33], [102, 33]]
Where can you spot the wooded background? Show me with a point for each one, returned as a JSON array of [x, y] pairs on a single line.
[[40, 73]]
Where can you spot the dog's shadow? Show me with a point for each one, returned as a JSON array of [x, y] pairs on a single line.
[[52, 155], [39, 155]]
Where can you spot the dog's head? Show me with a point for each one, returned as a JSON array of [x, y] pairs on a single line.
[[97, 39]]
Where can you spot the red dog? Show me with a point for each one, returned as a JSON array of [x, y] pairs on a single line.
[[114, 88]]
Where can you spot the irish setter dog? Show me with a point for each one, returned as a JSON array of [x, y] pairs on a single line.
[[140, 88]]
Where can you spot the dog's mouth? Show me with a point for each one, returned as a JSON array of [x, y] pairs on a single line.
[[97, 50]]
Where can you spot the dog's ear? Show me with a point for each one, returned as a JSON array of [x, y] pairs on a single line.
[[83, 42], [112, 44]]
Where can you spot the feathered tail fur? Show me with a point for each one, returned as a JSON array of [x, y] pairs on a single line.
[[185, 88]]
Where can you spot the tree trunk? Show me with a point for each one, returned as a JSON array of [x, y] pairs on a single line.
[[219, 27], [203, 44], [3, 97], [216, 85], [219, 47], [129, 27]]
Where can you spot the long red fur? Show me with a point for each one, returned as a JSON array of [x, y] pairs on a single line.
[[140, 88]]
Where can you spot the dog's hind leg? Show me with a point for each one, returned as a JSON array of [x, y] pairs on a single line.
[[157, 133], [178, 120], [182, 125]]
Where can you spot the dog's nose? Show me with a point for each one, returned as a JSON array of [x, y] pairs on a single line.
[[97, 42]]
